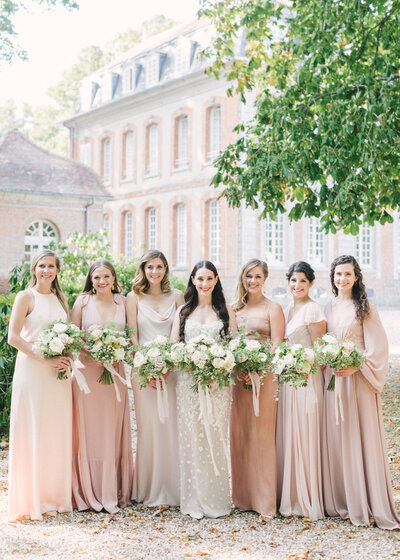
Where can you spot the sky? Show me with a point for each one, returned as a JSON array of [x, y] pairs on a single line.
[[53, 39]]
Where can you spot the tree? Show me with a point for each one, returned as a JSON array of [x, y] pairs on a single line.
[[325, 140], [8, 9]]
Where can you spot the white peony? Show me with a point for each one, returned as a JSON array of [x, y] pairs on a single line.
[[138, 360], [289, 360], [234, 343], [218, 363], [74, 328], [348, 348], [122, 341], [330, 349], [60, 327], [160, 339], [309, 354], [96, 346], [196, 356], [329, 339], [119, 354], [252, 344], [217, 350], [153, 352], [296, 347], [96, 334], [56, 345], [305, 368], [262, 356], [65, 339]]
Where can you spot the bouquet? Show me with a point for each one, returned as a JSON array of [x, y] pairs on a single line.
[[253, 357], [59, 338], [108, 346], [293, 364], [153, 360], [337, 354]]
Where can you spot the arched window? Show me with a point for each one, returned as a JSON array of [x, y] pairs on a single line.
[[214, 231], [128, 235], [38, 236], [181, 235], [152, 228]]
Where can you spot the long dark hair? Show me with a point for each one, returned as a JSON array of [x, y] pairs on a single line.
[[192, 299], [301, 266], [359, 293]]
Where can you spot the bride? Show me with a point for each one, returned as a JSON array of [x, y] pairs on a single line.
[[204, 482]]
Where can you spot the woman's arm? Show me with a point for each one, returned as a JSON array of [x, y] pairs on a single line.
[[316, 330], [277, 322], [131, 315], [179, 298], [232, 318], [176, 325]]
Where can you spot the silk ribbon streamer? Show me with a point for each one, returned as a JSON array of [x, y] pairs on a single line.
[[338, 400], [114, 373], [162, 398], [206, 414], [80, 379], [311, 398], [255, 387]]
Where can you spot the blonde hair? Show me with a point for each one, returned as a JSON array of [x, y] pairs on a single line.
[[55, 285], [88, 288], [241, 290], [140, 283]]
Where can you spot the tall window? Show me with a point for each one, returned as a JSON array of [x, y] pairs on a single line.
[[38, 236], [364, 246], [181, 235], [128, 234], [152, 228], [128, 79], [214, 131], [128, 152], [182, 143], [85, 154], [214, 231], [106, 225], [275, 241], [152, 70], [107, 161], [315, 242], [152, 152], [182, 57]]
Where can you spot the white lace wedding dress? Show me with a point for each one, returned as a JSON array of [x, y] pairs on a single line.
[[204, 482]]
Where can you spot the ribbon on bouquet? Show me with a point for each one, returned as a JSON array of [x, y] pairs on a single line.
[[209, 414], [114, 373], [311, 396], [338, 400], [255, 387], [80, 379], [162, 398]]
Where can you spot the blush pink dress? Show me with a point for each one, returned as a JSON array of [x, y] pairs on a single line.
[[356, 474], [298, 430], [253, 437], [102, 471], [40, 426]]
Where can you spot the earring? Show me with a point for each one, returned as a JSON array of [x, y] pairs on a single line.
[[93, 290]]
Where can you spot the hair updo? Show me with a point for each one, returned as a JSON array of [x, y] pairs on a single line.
[[301, 266]]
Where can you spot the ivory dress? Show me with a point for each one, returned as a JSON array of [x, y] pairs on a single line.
[[203, 492], [40, 426], [102, 446], [356, 474], [156, 480], [298, 431], [253, 437]]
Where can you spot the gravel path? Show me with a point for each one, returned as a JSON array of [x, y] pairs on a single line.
[[142, 533]]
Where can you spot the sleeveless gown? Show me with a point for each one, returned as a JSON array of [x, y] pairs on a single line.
[[356, 473], [156, 480], [203, 493], [253, 437], [298, 431], [40, 426], [102, 446]]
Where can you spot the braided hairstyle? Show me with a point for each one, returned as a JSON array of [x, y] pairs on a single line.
[[359, 293], [192, 299]]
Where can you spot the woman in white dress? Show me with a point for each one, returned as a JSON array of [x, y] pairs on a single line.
[[204, 475], [151, 307], [40, 457], [299, 422]]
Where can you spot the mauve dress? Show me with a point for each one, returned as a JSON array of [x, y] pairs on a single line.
[[40, 425], [253, 457], [356, 476], [298, 429], [102, 469]]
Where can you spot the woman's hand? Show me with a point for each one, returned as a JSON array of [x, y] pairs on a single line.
[[59, 363], [346, 372]]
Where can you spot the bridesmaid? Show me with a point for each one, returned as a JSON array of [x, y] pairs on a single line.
[[253, 437], [356, 474], [151, 307], [40, 421], [102, 447], [299, 421], [204, 467]]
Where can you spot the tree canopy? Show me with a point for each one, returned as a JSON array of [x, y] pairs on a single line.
[[325, 139]]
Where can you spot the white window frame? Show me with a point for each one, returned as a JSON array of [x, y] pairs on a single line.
[[152, 70], [38, 236], [129, 79], [128, 246], [181, 235], [182, 56], [364, 246], [214, 131], [275, 241], [214, 231], [107, 161], [129, 140], [152, 228], [316, 245], [182, 159], [152, 169]]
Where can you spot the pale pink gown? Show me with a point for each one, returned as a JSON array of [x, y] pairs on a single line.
[[102, 447], [40, 426], [156, 480], [253, 457], [298, 430], [356, 474]]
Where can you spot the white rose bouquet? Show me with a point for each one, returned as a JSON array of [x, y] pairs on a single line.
[[337, 354], [59, 338], [108, 346], [293, 363]]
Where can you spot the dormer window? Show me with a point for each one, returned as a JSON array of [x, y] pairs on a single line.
[[182, 56], [128, 79], [152, 70]]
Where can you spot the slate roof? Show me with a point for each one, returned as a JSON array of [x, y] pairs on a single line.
[[25, 167]]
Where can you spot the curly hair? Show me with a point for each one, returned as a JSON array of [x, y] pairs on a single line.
[[140, 283], [192, 299], [88, 287], [241, 290], [359, 293]]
